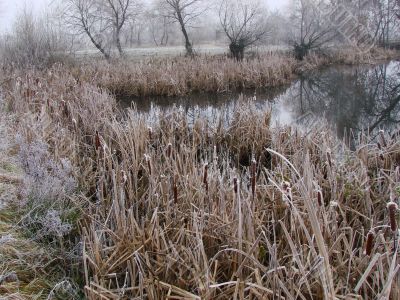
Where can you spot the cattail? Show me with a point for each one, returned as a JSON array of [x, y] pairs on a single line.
[[169, 150], [147, 157], [175, 188], [382, 134], [319, 197], [205, 179], [253, 176], [392, 207], [150, 133], [65, 108], [379, 146], [370, 242], [329, 156], [97, 140], [235, 185]]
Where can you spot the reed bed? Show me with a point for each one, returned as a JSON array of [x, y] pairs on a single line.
[[181, 76], [200, 209]]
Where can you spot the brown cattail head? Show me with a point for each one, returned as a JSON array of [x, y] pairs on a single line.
[[205, 176], [169, 150], [235, 185], [370, 242], [150, 133], [97, 140], [392, 207], [65, 108], [329, 157], [175, 188], [253, 176], [320, 198], [147, 157], [379, 146]]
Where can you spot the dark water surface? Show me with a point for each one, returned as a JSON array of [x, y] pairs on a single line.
[[349, 99]]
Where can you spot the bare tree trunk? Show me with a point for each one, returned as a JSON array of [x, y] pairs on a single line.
[[98, 45], [237, 51], [188, 44], [118, 42]]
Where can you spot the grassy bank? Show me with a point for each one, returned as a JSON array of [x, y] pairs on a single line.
[[209, 210], [181, 76], [29, 268]]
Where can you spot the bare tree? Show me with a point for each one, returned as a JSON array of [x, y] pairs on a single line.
[[243, 23], [184, 12], [159, 25], [86, 17], [117, 13], [34, 40], [310, 30], [159, 29]]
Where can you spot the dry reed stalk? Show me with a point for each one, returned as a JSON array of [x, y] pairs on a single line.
[[175, 189], [320, 198], [10, 179], [131, 232], [97, 141], [253, 177]]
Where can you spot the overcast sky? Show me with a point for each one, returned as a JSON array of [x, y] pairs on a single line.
[[9, 8]]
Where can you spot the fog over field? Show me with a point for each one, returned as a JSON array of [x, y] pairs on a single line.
[[10, 8]]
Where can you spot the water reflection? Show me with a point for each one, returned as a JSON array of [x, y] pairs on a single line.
[[348, 98]]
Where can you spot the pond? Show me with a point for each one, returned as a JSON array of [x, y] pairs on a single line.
[[349, 99]]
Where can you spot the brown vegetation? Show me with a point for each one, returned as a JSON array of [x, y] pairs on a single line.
[[181, 76], [213, 210]]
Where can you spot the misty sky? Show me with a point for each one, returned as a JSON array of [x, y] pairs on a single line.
[[9, 8]]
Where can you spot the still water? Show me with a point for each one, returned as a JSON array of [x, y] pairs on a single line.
[[348, 99]]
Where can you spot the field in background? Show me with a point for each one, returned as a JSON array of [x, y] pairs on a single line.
[[138, 53]]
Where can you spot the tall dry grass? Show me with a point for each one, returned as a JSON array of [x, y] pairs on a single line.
[[181, 76], [220, 209]]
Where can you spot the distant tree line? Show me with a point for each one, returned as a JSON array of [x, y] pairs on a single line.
[[112, 26]]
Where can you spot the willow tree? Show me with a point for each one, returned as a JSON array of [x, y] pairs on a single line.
[[243, 23], [310, 29]]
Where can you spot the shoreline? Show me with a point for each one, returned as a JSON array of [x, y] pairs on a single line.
[[180, 76]]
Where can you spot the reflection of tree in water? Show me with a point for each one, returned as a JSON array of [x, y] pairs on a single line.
[[350, 98]]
